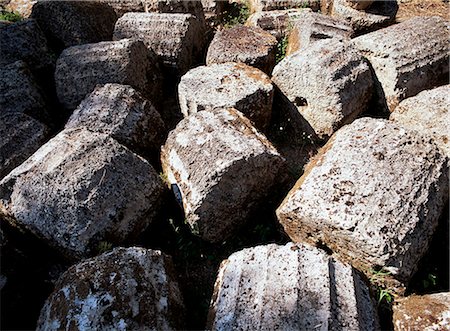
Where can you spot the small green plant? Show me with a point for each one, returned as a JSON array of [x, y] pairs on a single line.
[[104, 246], [10, 16], [164, 178], [237, 14], [429, 281], [384, 295], [281, 49]]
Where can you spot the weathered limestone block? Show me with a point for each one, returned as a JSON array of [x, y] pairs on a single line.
[[213, 8], [125, 6], [427, 112], [122, 113], [22, 7], [379, 14], [328, 91], [249, 45], [178, 39], [408, 57], [80, 68], [427, 312], [311, 27], [291, 287], [228, 85], [193, 7], [277, 22], [81, 188], [70, 23], [222, 168], [25, 41], [267, 5], [373, 195], [20, 136], [125, 289]]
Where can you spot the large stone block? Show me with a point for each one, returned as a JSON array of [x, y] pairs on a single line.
[[266, 5], [221, 168], [228, 85], [291, 287], [427, 112], [69, 23], [311, 27], [193, 7], [426, 312], [249, 45], [125, 289], [329, 90], [125, 6], [178, 39], [408, 57], [373, 195], [80, 68], [122, 113], [81, 188]]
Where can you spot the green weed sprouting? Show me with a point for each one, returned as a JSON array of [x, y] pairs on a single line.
[[237, 14], [281, 49], [104, 246], [10, 16]]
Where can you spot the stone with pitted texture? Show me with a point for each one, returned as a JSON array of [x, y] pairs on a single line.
[[235, 85], [373, 195], [177, 39], [408, 57], [222, 168], [70, 23], [193, 7], [329, 84], [80, 68], [267, 5], [213, 8], [81, 188], [291, 287], [125, 289], [427, 112], [249, 45], [21, 7], [360, 4]]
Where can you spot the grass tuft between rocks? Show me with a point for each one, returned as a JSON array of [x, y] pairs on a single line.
[[10, 16]]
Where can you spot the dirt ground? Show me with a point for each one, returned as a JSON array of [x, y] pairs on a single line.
[[411, 8]]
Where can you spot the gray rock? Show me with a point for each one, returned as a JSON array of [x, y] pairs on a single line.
[[408, 57], [25, 41], [125, 289], [80, 68], [20, 136], [311, 27], [22, 7], [266, 5], [81, 188], [122, 113], [222, 168], [70, 23], [378, 15], [178, 39], [328, 91], [213, 8], [226, 85], [289, 288], [426, 312], [427, 112], [373, 195], [193, 7], [249, 45], [125, 6]]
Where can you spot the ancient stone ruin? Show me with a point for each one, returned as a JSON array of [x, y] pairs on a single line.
[[224, 165]]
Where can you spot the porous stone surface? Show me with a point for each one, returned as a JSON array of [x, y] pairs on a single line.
[[125, 6], [177, 39], [22, 7], [328, 84], [226, 85], [25, 41], [408, 57], [122, 113], [373, 195], [125, 289], [81, 188], [277, 22], [291, 287], [20, 136], [378, 15], [80, 68], [246, 44], [427, 312], [70, 23], [360, 4], [427, 112], [221, 168], [266, 5], [212, 8], [193, 7], [311, 27]]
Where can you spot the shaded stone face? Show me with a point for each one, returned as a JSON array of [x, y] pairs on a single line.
[[80, 188], [249, 45], [234, 85], [429, 113], [407, 58], [373, 195], [327, 85], [222, 169], [125, 289], [291, 287]]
